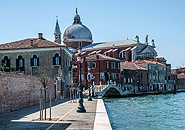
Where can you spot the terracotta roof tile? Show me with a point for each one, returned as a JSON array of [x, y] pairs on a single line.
[[130, 66], [181, 76], [100, 56], [149, 61], [26, 44]]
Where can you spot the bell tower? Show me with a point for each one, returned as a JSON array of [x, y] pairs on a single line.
[[57, 32]]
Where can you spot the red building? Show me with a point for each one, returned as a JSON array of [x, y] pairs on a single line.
[[100, 66], [134, 77]]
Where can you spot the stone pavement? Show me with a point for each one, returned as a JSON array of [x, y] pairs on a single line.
[[23, 119]]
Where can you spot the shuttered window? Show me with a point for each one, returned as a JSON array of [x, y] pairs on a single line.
[[20, 63], [6, 61], [34, 60], [56, 59]]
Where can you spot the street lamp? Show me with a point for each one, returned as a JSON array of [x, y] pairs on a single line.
[[79, 60], [89, 97]]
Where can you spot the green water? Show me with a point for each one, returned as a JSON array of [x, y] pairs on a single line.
[[152, 112]]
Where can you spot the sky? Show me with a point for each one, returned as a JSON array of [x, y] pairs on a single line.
[[108, 20]]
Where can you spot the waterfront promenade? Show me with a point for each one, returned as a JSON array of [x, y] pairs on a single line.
[[64, 116]]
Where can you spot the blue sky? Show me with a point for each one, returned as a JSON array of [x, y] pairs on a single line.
[[162, 20]]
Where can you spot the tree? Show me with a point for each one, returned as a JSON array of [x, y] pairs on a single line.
[[5, 68], [44, 79]]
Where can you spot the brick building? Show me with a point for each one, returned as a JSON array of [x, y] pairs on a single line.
[[100, 64], [181, 81], [156, 74], [146, 75], [125, 50], [171, 78], [180, 76], [134, 77]]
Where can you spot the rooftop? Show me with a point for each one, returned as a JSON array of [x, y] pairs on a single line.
[[181, 76], [148, 61], [29, 43], [100, 56], [110, 44], [130, 66]]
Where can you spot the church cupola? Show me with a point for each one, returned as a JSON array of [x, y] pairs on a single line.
[[57, 33], [77, 18]]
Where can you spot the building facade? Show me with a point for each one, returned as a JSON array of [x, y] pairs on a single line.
[[103, 69], [36, 56], [157, 74], [134, 78]]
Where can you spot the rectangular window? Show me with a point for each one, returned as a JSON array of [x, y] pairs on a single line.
[[128, 80], [82, 77], [93, 65], [89, 65], [114, 65], [102, 76], [89, 76], [114, 76], [124, 80], [108, 75], [107, 64], [131, 80], [118, 66], [65, 61], [66, 81]]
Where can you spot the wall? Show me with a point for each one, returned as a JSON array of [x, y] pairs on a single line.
[[45, 56], [20, 91]]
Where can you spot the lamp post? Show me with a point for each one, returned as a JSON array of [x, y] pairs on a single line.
[[92, 85], [89, 97], [79, 59]]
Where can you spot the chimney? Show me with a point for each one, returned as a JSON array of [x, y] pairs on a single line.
[[31, 42], [40, 35]]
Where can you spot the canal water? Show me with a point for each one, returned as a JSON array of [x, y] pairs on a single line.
[[151, 112]]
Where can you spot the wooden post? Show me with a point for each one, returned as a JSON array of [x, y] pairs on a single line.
[[50, 105]]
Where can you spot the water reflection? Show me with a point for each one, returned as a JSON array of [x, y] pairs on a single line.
[[152, 112]]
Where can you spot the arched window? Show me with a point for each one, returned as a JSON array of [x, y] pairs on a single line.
[[56, 59], [6, 61], [20, 63], [106, 53], [34, 60], [122, 54]]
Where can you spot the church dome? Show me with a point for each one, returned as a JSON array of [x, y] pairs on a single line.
[[77, 31]]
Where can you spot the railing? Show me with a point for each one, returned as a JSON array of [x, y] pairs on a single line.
[[99, 88]]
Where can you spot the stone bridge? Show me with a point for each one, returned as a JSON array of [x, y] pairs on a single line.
[[112, 91]]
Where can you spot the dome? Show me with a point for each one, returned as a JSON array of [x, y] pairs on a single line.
[[77, 31]]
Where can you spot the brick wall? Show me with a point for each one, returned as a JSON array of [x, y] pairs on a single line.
[[20, 91]]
